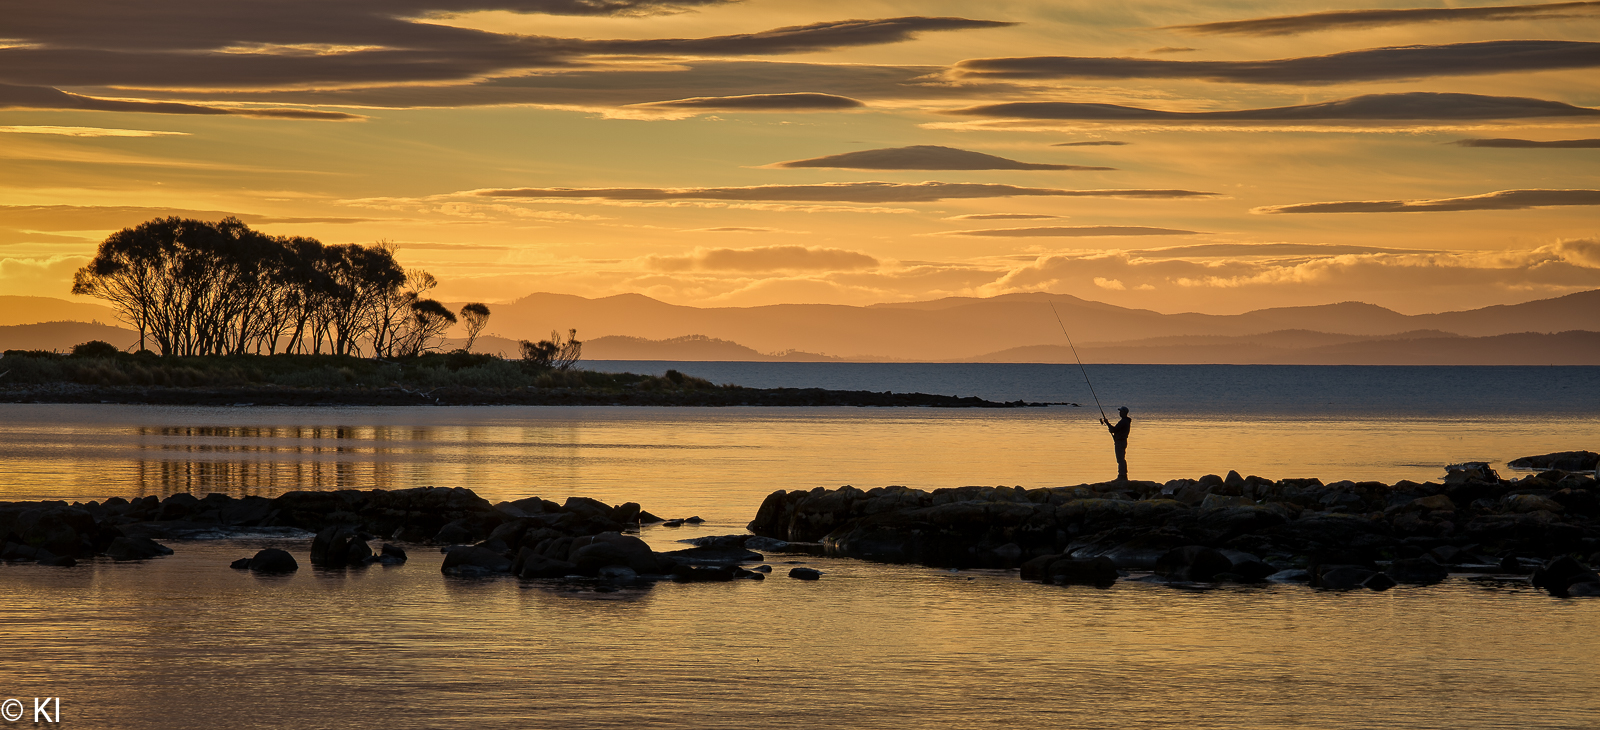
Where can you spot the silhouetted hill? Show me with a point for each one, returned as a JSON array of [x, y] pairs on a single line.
[[33, 310], [688, 348], [958, 328], [1011, 327], [1318, 348], [62, 336]]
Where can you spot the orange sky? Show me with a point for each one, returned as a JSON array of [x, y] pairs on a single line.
[[514, 146]]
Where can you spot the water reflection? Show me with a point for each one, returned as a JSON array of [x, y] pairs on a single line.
[[718, 463]]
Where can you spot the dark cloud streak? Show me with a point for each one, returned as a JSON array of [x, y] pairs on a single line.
[[1351, 19], [923, 157], [43, 97], [1074, 232], [1561, 144], [758, 102], [1372, 64], [857, 192], [1372, 107], [1499, 200]]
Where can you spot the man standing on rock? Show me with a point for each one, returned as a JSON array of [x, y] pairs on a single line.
[[1119, 436]]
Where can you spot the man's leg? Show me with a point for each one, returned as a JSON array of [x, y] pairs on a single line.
[[1122, 461]]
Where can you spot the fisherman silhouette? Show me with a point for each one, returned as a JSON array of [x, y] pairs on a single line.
[[1119, 436]]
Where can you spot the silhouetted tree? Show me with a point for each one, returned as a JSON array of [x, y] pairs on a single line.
[[476, 316], [555, 352], [200, 288]]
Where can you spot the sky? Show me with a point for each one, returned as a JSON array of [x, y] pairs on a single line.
[[1211, 157]]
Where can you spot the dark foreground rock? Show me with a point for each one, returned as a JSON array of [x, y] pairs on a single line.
[[1562, 460], [1236, 528], [270, 560]]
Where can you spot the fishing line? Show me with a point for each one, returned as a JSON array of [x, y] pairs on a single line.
[[1080, 361]]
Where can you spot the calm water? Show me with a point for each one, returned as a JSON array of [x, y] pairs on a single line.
[[185, 642]]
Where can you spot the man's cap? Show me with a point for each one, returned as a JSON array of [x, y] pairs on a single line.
[[1123, 409]]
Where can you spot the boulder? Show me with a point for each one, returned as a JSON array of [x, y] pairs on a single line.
[[592, 553], [136, 548], [252, 511], [1378, 582], [1416, 571], [1341, 577], [338, 546], [713, 555], [532, 565], [472, 561], [1098, 572], [392, 555], [1252, 571], [1563, 460], [703, 574], [768, 544], [1583, 590], [805, 574], [1192, 563], [1526, 503], [1561, 573], [1142, 552], [1290, 575], [273, 560]]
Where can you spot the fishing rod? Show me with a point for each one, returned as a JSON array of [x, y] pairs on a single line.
[[1085, 370]]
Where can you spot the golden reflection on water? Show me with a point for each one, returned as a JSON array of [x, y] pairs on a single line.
[[184, 642], [703, 460]]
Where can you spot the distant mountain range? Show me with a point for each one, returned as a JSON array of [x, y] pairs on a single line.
[[1011, 328]]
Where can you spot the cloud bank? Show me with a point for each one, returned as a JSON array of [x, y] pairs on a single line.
[[1372, 64], [923, 157], [766, 258], [1566, 144], [1074, 232], [1351, 19], [860, 192], [1499, 200], [41, 97], [1370, 107], [758, 102]]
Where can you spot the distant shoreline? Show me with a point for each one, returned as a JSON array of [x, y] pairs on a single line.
[[67, 393]]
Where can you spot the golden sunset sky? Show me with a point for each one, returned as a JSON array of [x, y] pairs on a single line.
[[1214, 157]]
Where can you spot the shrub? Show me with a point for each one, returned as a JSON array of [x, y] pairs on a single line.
[[95, 348]]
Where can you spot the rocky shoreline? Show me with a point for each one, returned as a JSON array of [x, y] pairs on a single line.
[[1543, 529], [1220, 529], [465, 396]]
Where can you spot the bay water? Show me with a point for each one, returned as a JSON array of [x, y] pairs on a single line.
[[183, 641]]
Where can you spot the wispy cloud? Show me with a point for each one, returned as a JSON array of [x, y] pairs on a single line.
[[923, 157], [757, 102], [1564, 144], [766, 258], [858, 192], [43, 97], [1092, 143], [1073, 232], [1499, 200], [1352, 19], [1002, 217], [86, 131], [1371, 107], [1372, 64]]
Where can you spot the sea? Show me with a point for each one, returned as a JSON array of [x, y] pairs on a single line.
[[184, 642]]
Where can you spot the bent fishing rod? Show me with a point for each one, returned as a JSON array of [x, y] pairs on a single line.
[[1085, 370]]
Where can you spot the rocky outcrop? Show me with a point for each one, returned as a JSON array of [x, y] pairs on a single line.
[[1561, 460], [1237, 528]]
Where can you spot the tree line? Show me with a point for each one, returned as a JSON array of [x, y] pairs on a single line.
[[194, 287]]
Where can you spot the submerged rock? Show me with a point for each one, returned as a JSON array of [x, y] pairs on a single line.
[[272, 560], [805, 574]]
